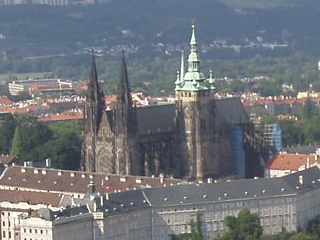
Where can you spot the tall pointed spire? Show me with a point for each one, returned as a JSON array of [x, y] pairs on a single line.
[[177, 82], [96, 102], [180, 74], [125, 108], [93, 112], [182, 69], [193, 79], [124, 92], [193, 60], [125, 126]]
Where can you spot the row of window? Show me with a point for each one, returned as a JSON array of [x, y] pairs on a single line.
[[41, 231], [188, 94], [4, 223], [4, 234]]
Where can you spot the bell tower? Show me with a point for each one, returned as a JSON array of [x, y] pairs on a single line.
[[195, 119]]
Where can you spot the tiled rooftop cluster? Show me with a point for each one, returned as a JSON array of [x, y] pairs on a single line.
[[74, 182], [32, 198], [292, 162]]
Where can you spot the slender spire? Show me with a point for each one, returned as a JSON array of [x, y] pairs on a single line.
[[125, 125], [182, 67], [180, 74], [193, 40], [211, 80], [93, 112], [124, 92], [193, 79], [96, 102], [126, 118], [193, 60], [177, 82], [93, 72]]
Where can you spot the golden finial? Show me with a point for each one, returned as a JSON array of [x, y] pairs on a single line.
[[193, 25]]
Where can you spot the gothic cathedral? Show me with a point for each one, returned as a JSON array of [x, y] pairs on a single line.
[[198, 137]]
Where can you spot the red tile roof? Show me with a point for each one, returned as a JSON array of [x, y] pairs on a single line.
[[5, 101], [69, 182], [66, 116], [32, 198], [292, 162], [13, 110]]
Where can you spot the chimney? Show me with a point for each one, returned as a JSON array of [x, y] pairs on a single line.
[[48, 162], [308, 163], [27, 164], [92, 187], [301, 179], [101, 201], [161, 178]]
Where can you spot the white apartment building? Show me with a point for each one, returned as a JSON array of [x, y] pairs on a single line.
[[15, 206]]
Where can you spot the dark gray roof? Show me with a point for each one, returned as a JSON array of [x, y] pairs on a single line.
[[124, 202], [156, 119], [215, 192], [307, 149], [160, 118], [231, 111], [1, 170], [71, 211], [236, 189], [152, 119], [193, 194]]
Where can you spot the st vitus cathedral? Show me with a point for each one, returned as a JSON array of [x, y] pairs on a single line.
[[198, 137]]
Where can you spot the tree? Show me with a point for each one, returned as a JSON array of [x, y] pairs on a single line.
[[246, 226], [258, 110], [291, 133], [64, 147], [283, 235], [303, 236], [7, 129], [307, 109], [268, 88], [195, 231], [63, 153], [21, 97], [314, 226], [35, 141], [17, 144]]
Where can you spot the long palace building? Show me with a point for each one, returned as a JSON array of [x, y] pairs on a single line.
[[288, 202]]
